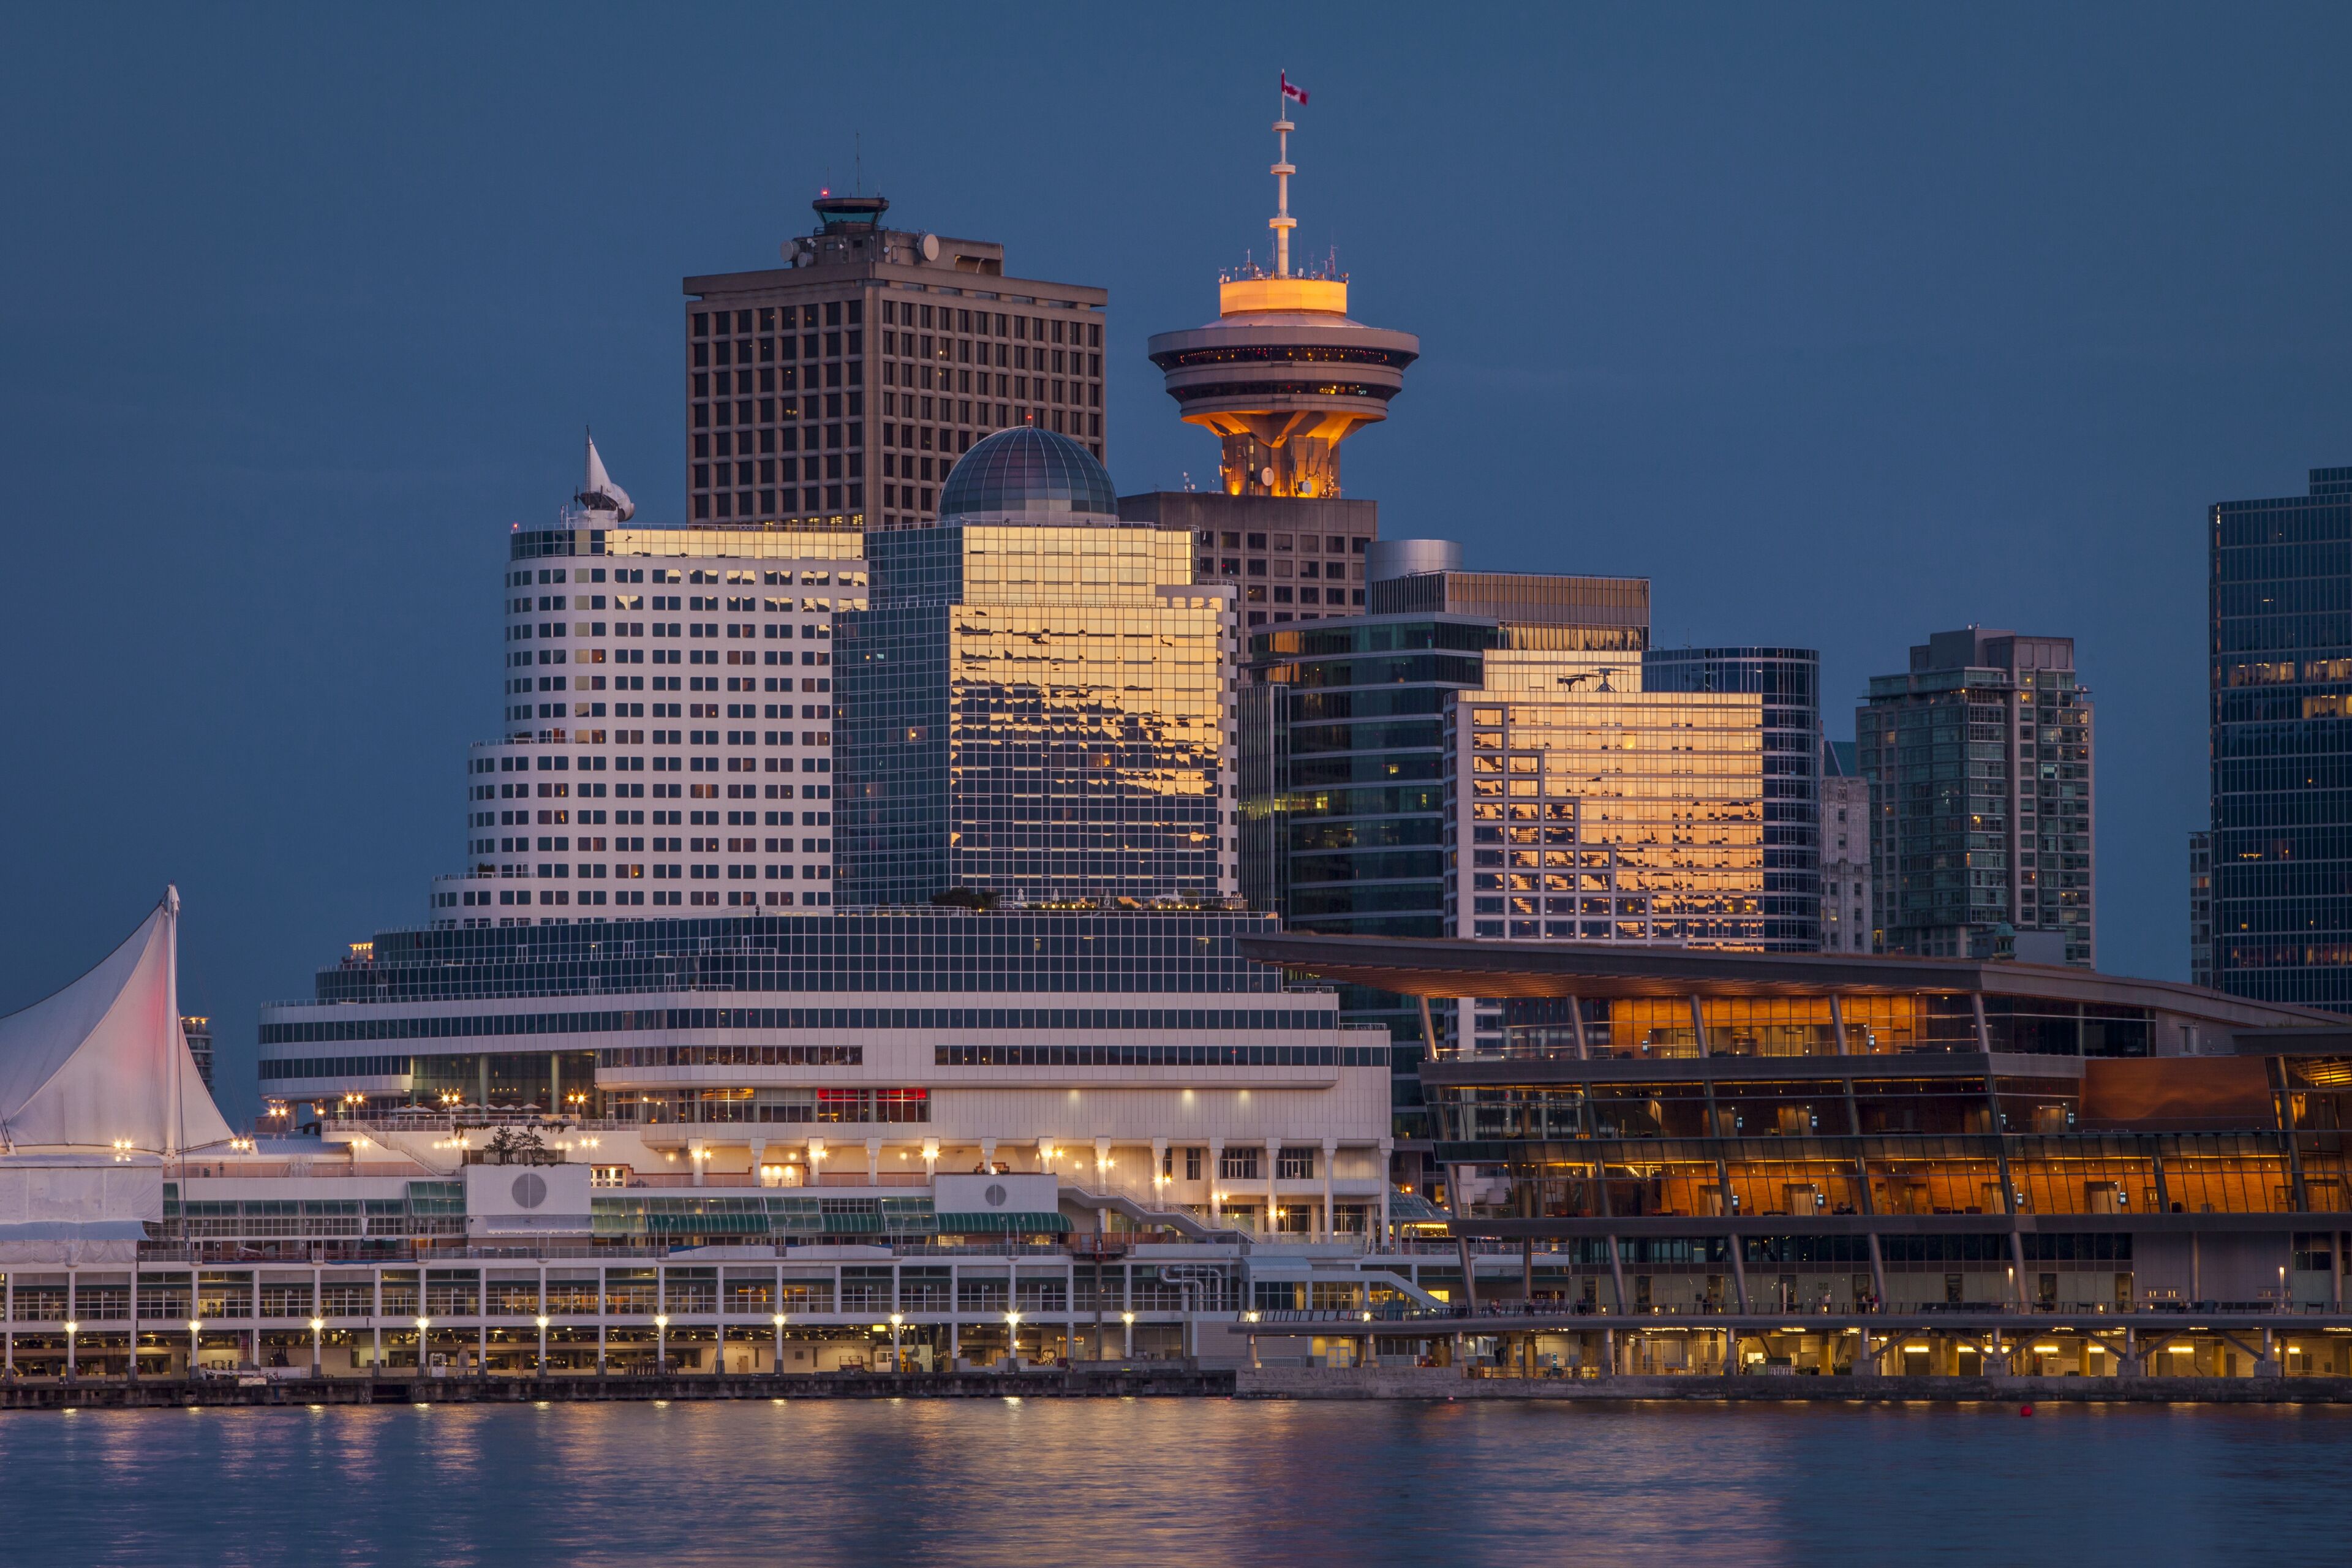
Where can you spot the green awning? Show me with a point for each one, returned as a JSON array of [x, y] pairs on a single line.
[[1002, 1224]]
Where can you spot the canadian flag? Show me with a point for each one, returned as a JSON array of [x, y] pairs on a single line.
[[1292, 91]]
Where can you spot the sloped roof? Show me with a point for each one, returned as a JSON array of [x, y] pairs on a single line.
[[104, 1058]]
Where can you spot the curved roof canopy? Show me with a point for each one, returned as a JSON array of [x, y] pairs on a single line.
[[103, 1064]]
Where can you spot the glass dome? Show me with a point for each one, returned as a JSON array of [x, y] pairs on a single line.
[[1024, 471]]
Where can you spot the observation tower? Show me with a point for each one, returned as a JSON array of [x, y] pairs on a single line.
[[1283, 375]]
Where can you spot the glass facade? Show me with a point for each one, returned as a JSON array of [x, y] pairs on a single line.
[[1033, 712], [2282, 746], [843, 954], [1788, 680], [1980, 761], [1612, 816]]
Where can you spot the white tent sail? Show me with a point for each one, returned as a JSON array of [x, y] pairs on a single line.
[[103, 1061], [599, 493]]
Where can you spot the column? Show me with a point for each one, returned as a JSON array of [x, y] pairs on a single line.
[[1698, 1023], [694, 1158], [1272, 1165], [988, 1156], [815, 1161], [482, 1077], [1102, 1165], [1388, 1153], [1216, 1176], [1161, 1175], [759, 1147], [873, 1161], [554, 1082], [1330, 1218]]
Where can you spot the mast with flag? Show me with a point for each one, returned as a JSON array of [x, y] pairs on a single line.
[[1282, 222]]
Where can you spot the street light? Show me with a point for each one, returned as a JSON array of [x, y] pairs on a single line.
[[779, 1321], [1011, 1340], [71, 1329], [1127, 1322], [318, 1328], [542, 1321], [193, 1325], [661, 1342], [895, 1319]]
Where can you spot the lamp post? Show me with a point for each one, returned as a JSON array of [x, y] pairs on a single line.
[[895, 1319], [422, 1325], [72, 1329], [542, 1321], [194, 1326], [318, 1333], [1012, 1341], [1127, 1324], [780, 1344], [661, 1342]]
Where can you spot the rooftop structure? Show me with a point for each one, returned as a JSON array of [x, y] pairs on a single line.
[[1283, 375]]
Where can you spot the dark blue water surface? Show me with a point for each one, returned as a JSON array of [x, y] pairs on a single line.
[[1210, 1482]]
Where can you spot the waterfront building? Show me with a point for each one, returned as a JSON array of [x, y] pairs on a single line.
[[1980, 760], [1478, 757], [2281, 687], [1846, 903], [1788, 680], [1875, 1143], [837, 390], [1035, 704], [2201, 908], [667, 699]]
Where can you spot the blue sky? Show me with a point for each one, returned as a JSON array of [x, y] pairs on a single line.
[[1843, 324]]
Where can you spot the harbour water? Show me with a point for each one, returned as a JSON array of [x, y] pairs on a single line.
[[1040, 1482]]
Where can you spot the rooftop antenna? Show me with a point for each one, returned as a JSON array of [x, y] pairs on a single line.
[[1282, 223]]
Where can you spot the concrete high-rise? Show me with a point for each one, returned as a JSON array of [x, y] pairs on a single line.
[[1980, 761], [2281, 694], [1034, 707], [666, 747], [1847, 924], [839, 389]]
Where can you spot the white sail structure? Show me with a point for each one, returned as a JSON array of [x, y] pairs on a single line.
[[101, 1067], [598, 492]]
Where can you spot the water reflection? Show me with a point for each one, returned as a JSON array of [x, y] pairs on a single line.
[[1047, 1481]]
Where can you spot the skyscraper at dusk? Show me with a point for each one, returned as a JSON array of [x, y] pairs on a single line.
[[841, 387], [2281, 691], [1034, 707], [1979, 759]]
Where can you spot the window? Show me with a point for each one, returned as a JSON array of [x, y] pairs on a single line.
[[1238, 1165]]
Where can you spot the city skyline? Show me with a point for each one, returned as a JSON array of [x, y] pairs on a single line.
[[292, 618]]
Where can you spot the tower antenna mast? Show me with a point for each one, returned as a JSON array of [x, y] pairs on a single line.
[[1282, 223]]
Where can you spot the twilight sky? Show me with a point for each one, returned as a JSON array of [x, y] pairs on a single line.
[[1842, 324]]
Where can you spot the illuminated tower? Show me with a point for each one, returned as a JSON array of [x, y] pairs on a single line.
[[1282, 375]]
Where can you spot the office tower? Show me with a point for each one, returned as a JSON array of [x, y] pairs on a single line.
[[1979, 759], [1288, 558], [2280, 690], [1034, 705], [1788, 680], [2201, 908], [840, 388], [666, 707], [1478, 757], [1281, 377], [198, 1032], [1846, 901]]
